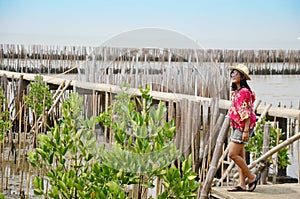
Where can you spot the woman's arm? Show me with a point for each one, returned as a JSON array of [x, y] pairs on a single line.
[[245, 137], [247, 125]]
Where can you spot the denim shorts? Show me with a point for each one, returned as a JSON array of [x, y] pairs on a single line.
[[236, 136]]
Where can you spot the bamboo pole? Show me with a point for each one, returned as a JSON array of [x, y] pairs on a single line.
[[275, 165], [264, 112], [222, 163], [266, 141], [106, 109], [298, 149], [189, 129], [51, 108], [198, 132], [193, 133], [111, 135], [58, 89], [158, 186], [2, 149], [59, 96], [19, 134], [206, 132], [178, 129], [10, 142], [273, 150], [24, 154], [186, 123], [216, 156], [216, 128], [225, 174]]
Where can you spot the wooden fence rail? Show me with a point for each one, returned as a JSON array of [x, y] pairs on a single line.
[[196, 118]]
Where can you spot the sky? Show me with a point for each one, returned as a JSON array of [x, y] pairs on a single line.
[[217, 24]]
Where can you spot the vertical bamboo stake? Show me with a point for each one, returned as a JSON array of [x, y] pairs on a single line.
[[178, 124], [276, 157], [8, 169], [106, 109], [189, 129], [205, 131], [110, 130], [265, 148], [186, 138], [298, 150], [135, 191], [158, 186], [202, 137], [2, 160], [213, 118], [193, 133], [183, 126], [24, 149], [19, 135], [34, 144], [198, 136], [28, 181]]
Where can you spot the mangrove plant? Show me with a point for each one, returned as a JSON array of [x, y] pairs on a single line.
[[71, 163]]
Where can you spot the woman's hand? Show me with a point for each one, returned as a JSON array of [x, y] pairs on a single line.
[[245, 136]]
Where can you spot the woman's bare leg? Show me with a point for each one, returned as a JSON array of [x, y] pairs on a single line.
[[237, 154], [242, 182]]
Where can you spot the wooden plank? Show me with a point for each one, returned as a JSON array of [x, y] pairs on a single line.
[[277, 191]]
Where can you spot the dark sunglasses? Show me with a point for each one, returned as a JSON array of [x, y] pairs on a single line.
[[234, 73]]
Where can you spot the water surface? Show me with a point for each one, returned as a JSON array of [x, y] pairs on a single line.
[[275, 89]]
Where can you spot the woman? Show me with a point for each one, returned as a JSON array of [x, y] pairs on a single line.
[[243, 120]]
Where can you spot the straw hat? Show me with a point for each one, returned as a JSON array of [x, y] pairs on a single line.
[[242, 69]]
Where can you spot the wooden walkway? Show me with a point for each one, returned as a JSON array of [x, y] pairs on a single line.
[[277, 191]]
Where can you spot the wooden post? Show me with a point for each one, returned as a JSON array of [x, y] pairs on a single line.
[[265, 148]]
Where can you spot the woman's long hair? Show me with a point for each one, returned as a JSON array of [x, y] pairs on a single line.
[[243, 84]]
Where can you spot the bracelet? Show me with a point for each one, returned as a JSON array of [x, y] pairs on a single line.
[[245, 131]]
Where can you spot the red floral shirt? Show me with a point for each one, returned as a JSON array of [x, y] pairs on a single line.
[[242, 108]]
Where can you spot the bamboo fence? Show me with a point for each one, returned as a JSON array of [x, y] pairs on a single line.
[[57, 59], [198, 120]]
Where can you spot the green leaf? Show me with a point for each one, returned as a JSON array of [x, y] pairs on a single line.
[[62, 186], [88, 157], [113, 187], [149, 185], [37, 192], [78, 187], [41, 152], [191, 177], [166, 184], [139, 143], [36, 182]]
